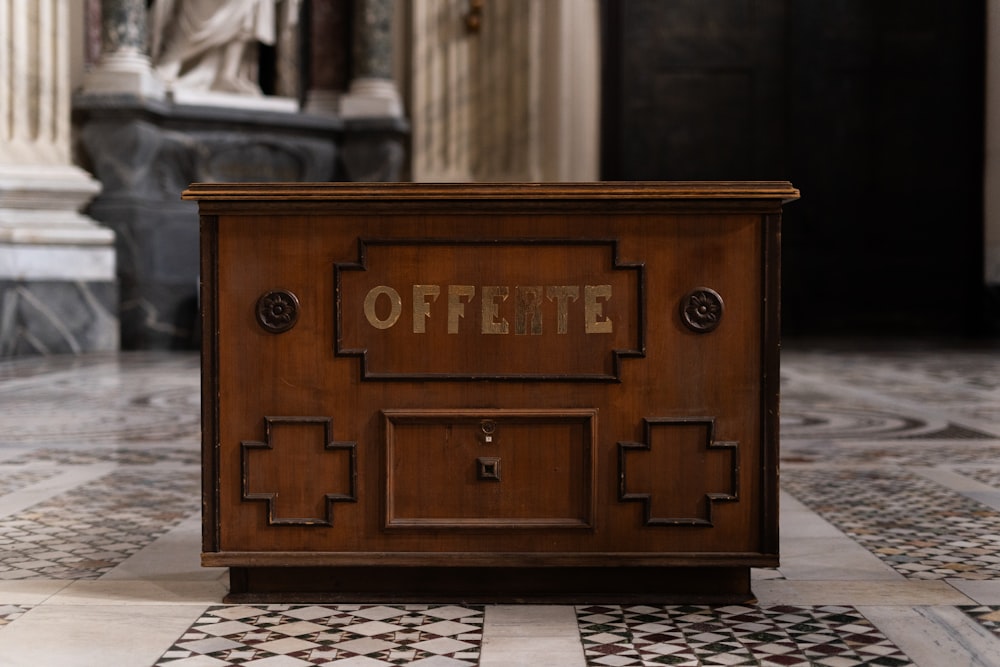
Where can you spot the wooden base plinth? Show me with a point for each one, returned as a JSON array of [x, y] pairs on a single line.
[[570, 585]]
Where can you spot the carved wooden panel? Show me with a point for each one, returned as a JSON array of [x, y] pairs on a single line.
[[553, 309], [272, 471], [443, 468], [702, 470]]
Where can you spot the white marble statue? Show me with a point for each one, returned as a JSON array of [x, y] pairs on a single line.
[[210, 45]]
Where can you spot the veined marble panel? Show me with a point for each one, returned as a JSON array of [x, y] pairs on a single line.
[[52, 262], [56, 317]]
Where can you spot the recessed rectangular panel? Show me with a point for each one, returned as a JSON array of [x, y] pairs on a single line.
[[489, 468], [532, 309]]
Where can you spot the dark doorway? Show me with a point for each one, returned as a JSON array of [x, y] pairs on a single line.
[[873, 109]]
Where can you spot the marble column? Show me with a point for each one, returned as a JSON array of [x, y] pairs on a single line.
[[124, 65], [372, 91], [329, 45], [288, 53], [476, 94], [442, 90], [57, 267], [569, 133], [505, 90], [506, 98]]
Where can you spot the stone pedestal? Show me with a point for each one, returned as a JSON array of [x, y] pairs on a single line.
[[57, 267], [124, 65], [371, 97], [372, 92], [146, 152]]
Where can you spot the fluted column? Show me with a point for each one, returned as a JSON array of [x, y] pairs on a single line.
[[506, 92], [50, 254], [372, 91], [442, 87], [569, 128], [288, 65], [476, 90], [124, 65], [40, 190]]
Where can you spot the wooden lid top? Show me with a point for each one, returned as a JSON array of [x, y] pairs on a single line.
[[605, 190]]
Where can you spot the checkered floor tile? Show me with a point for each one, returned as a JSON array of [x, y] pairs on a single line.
[[341, 635], [86, 532], [780, 636], [987, 616], [990, 476], [920, 529], [12, 481]]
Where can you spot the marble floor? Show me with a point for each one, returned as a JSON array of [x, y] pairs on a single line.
[[890, 535]]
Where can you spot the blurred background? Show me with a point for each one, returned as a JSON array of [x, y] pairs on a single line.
[[886, 115]]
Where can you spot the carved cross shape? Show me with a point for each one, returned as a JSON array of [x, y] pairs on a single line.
[[293, 469], [682, 471]]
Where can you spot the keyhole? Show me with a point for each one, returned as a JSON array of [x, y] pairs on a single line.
[[488, 427]]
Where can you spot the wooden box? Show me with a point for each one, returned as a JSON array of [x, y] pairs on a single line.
[[490, 392]]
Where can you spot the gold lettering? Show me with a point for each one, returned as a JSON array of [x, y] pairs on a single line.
[[456, 308], [395, 306], [421, 307], [528, 307], [594, 320], [561, 295], [491, 309]]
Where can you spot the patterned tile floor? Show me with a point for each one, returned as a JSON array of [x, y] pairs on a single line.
[[733, 635], [85, 532], [344, 634], [890, 522], [919, 528]]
